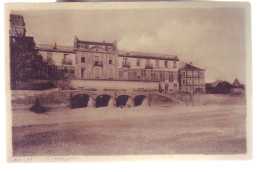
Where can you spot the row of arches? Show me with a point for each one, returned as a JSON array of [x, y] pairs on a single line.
[[84, 100]]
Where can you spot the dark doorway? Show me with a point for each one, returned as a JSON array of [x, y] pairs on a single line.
[[166, 88], [102, 100], [138, 100], [121, 100], [79, 101]]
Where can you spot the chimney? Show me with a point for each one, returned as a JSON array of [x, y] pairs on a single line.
[[55, 46], [75, 42]]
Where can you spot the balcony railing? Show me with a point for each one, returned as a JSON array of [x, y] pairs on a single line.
[[126, 65], [98, 63], [149, 66]]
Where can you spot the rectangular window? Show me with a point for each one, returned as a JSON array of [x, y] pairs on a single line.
[[82, 75], [143, 73], [138, 74], [82, 46], [171, 77], [183, 73], [195, 73], [110, 61], [174, 64], [66, 60], [111, 73], [167, 76], [148, 61], [183, 82], [189, 82], [120, 74], [138, 62], [166, 64], [134, 76], [82, 59], [201, 82], [125, 74], [125, 63], [166, 87], [157, 64], [153, 75], [65, 57], [130, 74], [201, 74], [162, 77], [97, 72], [157, 75], [195, 82], [189, 73]]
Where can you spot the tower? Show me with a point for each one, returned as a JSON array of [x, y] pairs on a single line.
[[17, 25]]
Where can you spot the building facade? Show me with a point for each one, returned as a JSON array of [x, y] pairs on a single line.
[[192, 79], [95, 60], [87, 63], [103, 61], [149, 67]]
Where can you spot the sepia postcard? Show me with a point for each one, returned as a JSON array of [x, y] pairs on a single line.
[[128, 81]]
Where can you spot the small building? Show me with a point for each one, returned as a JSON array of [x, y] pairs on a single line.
[[192, 79]]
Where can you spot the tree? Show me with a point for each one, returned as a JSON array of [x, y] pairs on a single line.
[[223, 87], [25, 60]]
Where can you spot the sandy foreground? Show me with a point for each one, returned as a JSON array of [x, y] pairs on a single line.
[[210, 129]]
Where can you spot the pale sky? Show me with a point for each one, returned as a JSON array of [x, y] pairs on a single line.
[[213, 39]]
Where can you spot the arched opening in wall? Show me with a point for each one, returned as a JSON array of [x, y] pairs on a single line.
[[121, 100], [138, 100], [79, 101], [102, 100]]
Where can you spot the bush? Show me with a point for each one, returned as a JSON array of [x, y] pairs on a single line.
[[37, 108]]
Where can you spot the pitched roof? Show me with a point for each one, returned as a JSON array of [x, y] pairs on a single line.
[[236, 82], [96, 43], [54, 48], [147, 55], [189, 66]]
